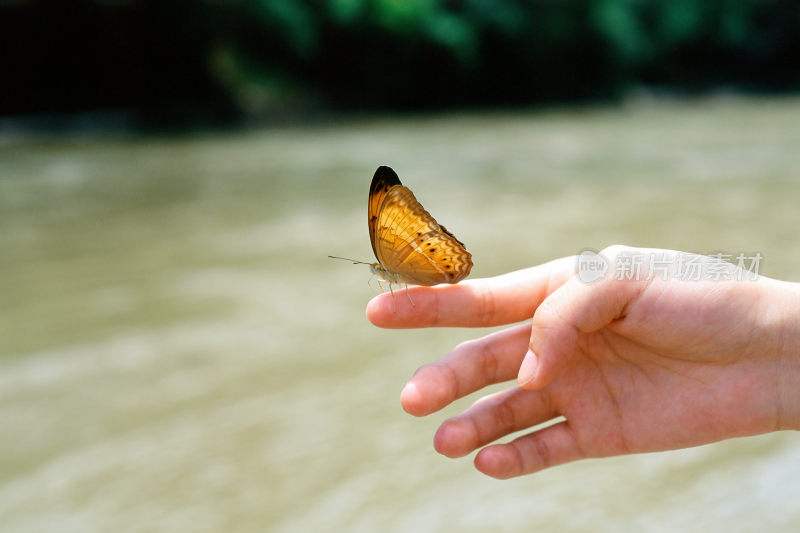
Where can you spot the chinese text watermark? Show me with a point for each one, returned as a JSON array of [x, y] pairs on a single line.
[[645, 265]]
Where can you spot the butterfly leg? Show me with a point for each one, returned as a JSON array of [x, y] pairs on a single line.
[[394, 302], [369, 284], [409, 297]]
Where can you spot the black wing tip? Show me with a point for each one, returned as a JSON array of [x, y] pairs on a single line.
[[385, 176], [454, 238]]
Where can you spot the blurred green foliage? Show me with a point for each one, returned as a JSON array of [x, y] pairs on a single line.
[[430, 53], [221, 58]]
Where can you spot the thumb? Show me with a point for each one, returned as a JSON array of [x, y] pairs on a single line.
[[574, 309]]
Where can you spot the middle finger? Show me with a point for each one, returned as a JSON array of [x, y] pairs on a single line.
[[471, 366]]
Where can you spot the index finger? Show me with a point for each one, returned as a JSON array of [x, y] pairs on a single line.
[[482, 302]]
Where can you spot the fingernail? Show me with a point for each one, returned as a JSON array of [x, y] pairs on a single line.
[[527, 371], [409, 390]]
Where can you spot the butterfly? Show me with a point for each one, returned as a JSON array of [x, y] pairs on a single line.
[[410, 246]]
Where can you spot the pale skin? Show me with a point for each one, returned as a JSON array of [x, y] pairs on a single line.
[[632, 366]]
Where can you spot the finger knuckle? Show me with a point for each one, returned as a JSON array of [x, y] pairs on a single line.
[[487, 304], [543, 452], [505, 416], [490, 362]]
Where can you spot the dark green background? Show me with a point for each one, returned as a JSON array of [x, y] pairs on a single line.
[[184, 62]]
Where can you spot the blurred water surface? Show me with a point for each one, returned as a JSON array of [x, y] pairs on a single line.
[[178, 354]]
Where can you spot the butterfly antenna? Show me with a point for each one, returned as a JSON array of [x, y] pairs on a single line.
[[354, 261]]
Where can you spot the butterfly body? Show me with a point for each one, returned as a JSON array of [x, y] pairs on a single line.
[[410, 246]]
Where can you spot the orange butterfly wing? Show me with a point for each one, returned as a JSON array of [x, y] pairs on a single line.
[[384, 179], [407, 240]]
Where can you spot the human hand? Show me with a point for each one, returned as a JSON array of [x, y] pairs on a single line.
[[641, 365]]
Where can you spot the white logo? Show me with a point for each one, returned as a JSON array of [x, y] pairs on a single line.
[[591, 266]]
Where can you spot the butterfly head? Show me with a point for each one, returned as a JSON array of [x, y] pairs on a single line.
[[379, 270]]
